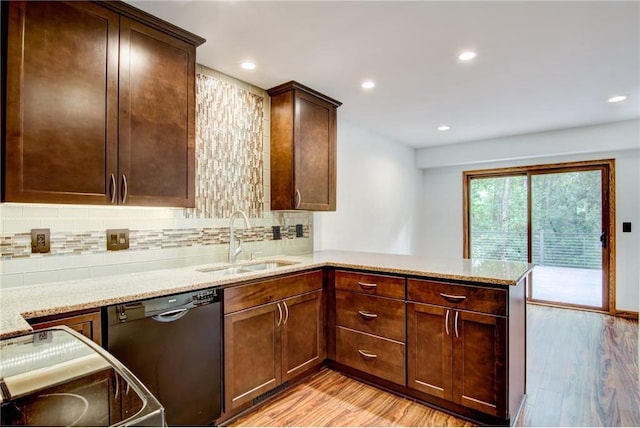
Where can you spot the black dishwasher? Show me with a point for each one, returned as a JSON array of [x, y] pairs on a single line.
[[173, 345]]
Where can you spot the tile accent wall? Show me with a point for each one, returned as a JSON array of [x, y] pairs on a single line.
[[232, 157], [229, 140]]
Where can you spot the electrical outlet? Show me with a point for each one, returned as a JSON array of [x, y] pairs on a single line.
[[626, 226], [299, 231], [117, 239], [40, 240], [276, 232]]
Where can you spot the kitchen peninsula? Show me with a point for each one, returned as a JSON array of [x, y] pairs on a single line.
[[448, 332]]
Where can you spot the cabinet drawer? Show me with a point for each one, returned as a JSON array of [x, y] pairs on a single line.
[[260, 293], [473, 298], [377, 285], [371, 314], [89, 324], [371, 354]]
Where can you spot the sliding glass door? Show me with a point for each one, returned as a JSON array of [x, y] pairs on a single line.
[[566, 227], [557, 217]]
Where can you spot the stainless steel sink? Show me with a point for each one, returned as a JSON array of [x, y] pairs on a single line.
[[266, 265], [226, 270], [223, 270]]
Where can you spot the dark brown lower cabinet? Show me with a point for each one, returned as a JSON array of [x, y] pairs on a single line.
[[302, 336], [252, 354], [271, 344], [87, 324], [458, 356]]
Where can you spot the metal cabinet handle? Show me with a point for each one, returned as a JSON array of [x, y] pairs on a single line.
[[367, 315], [117, 388], [124, 188], [446, 322], [454, 298], [286, 311], [112, 188], [279, 319], [456, 323], [367, 354], [367, 285], [298, 198]]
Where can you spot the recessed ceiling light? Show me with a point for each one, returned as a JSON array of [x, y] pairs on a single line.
[[467, 56], [368, 84], [617, 99], [444, 128], [248, 65]]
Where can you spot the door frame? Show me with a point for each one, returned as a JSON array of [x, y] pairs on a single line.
[[606, 166]]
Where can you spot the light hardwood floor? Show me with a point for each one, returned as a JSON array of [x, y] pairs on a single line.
[[582, 371]]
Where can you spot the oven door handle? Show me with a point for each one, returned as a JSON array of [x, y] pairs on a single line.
[[170, 316]]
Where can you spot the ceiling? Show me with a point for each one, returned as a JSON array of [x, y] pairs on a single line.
[[541, 65]]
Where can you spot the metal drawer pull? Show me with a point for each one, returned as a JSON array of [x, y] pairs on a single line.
[[112, 188], [453, 297], [367, 315], [298, 198], [446, 323], [367, 285], [456, 323], [367, 354]]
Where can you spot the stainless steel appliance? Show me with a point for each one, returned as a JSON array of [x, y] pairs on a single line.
[[57, 377], [173, 345]]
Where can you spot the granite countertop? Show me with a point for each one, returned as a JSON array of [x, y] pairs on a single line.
[[21, 303]]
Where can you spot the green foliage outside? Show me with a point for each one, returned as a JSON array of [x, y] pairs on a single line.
[[566, 218]]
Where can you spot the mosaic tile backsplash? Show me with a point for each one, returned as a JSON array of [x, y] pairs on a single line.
[[19, 245], [229, 149]]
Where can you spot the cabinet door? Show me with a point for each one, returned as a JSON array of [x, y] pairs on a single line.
[[157, 118], [479, 362], [314, 153], [252, 353], [429, 341], [62, 101], [302, 334]]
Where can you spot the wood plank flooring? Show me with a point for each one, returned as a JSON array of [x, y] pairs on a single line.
[[330, 399], [582, 371]]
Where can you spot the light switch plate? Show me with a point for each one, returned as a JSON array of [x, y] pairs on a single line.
[[117, 239], [40, 240]]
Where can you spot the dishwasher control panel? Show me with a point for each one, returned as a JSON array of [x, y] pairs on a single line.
[[206, 296]]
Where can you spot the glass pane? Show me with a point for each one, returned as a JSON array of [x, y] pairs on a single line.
[[498, 211], [566, 226]]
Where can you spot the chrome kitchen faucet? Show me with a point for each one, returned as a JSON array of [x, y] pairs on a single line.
[[233, 250]]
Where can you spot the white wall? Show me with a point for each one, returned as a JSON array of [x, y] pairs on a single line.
[[440, 230], [612, 136], [377, 196]]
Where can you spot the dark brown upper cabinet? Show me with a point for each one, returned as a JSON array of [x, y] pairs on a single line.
[[99, 106], [303, 149]]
